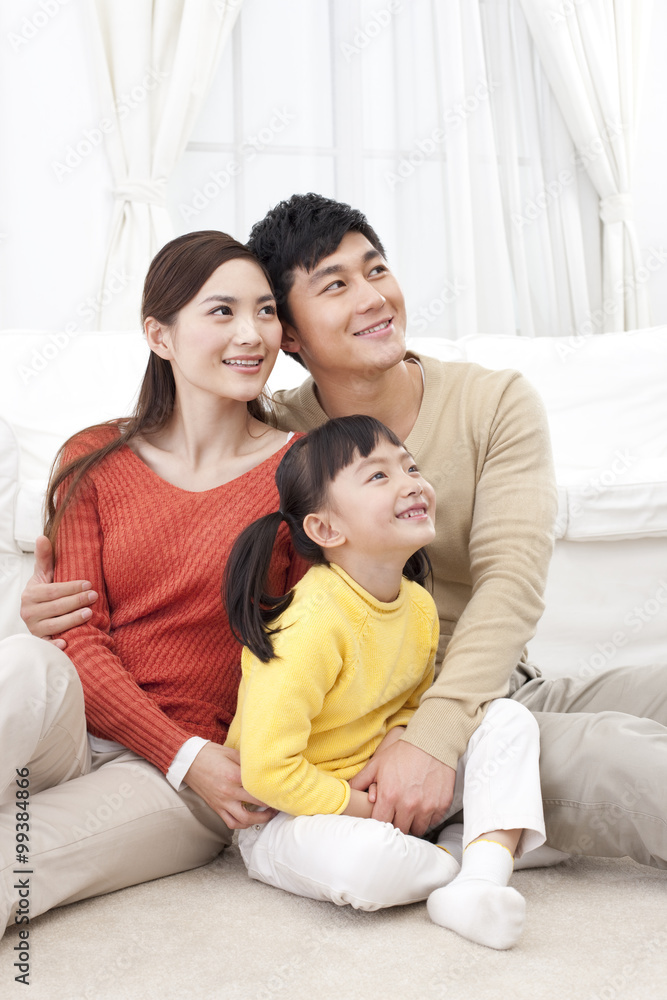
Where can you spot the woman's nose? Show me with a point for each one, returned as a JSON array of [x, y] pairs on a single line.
[[247, 334]]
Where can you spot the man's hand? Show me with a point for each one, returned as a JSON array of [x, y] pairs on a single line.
[[414, 789], [48, 608], [215, 775]]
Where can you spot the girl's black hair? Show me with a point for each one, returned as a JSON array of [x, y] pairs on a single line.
[[303, 479]]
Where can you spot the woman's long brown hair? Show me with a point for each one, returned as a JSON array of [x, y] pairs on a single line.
[[175, 275]]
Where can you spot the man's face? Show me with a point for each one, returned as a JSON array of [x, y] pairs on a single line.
[[348, 314]]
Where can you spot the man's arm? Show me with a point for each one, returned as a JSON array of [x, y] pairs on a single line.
[[48, 608], [513, 509], [511, 504]]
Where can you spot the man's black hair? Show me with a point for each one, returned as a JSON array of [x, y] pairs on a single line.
[[300, 232]]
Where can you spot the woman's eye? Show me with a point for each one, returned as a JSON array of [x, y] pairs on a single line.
[[222, 311], [268, 311]]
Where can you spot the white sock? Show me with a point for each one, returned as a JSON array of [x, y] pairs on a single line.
[[478, 904], [540, 857], [451, 838]]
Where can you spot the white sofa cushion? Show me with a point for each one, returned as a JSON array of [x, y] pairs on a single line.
[[9, 463], [606, 402], [56, 384], [29, 513]]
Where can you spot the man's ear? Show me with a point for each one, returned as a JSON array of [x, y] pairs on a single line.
[[158, 338], [321, 531], [290, 341]]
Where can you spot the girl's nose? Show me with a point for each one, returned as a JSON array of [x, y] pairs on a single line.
[[413, 486]]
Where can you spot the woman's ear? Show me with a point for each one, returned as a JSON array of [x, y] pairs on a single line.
[[157, 337], [320, 530]]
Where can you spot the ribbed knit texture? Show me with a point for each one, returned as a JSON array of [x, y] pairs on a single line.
[[347, 669], [482, 440], [157, 661]]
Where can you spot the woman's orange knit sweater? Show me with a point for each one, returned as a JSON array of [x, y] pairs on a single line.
[[157, 660]]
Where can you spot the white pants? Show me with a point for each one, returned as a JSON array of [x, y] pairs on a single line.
[[371, 865], [95, 821]]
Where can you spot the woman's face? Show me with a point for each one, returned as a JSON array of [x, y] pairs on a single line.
[[226, 339]]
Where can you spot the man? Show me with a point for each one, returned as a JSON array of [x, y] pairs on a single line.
[[481, 438]]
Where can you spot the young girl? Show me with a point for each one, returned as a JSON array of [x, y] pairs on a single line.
[[332, 673]]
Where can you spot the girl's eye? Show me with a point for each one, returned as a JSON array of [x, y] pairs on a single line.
[[222, 311], [378, 475], [268, 311]]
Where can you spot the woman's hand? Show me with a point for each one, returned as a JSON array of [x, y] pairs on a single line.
[[215, 775], [48, 608]]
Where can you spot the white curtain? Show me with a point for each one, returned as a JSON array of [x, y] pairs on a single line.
[[593, 52], [483, 229], [547, 202], [430, 171], [476, 237], [155, 61]]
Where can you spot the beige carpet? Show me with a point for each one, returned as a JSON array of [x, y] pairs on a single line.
[[596, 930]]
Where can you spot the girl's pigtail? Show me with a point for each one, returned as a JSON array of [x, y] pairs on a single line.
[[250, 608]]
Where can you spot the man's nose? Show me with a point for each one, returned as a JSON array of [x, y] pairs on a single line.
[[369, 297]]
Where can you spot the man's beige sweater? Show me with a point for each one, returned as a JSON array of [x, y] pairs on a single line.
[[481, 438]]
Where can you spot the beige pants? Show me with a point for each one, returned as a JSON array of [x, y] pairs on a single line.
[[97, 822], [603, 762]]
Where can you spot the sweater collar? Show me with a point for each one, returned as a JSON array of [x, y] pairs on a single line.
[[381, 607]]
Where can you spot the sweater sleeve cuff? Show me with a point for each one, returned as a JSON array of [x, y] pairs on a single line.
[[181, 763], [441, 729], [346, 798]]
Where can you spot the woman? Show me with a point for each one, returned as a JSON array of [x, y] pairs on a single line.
[[160, 495]]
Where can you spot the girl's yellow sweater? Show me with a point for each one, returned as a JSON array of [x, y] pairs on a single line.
[[347, 669]]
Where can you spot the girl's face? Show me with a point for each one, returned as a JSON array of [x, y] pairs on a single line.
[[226, 339], [382, 505]]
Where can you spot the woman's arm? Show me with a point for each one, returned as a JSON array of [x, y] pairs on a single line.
[[115, 704]]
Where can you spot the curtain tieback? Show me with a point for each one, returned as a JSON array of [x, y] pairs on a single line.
[[146, 192], [617, 208]]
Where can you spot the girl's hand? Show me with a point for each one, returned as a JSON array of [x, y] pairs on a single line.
[[391, 737], [48, 608], [215, 775]]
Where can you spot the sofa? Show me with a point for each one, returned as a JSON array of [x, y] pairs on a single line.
[[606, 599], [595, 927]]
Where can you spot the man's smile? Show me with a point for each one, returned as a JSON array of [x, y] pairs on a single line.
[[379, 327]]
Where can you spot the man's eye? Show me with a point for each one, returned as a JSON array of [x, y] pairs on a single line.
[[334, 284], [380, 269]]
